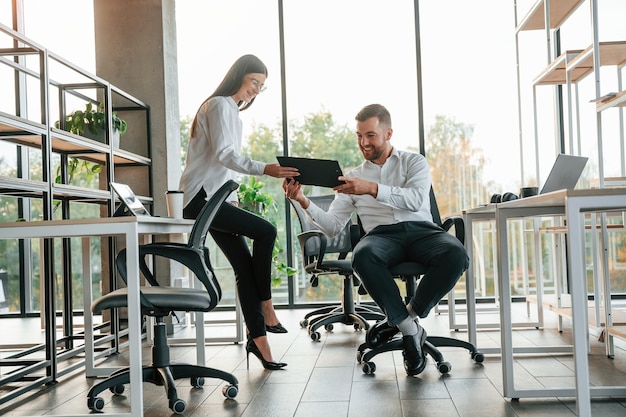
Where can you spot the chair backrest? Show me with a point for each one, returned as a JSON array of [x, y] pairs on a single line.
[[340, 244], [203, 221], [434, 211], [434, 208]]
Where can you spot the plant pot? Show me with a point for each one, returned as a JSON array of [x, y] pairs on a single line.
[[255, 208], [100, 137]]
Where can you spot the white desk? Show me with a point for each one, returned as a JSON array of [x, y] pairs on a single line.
[[130, 228], [483, 214], [572, 204]]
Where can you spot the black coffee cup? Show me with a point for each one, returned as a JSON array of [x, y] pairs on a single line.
[[528, 191]]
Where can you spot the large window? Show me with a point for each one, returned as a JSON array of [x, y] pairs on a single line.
[[329, 58], [340, 56]]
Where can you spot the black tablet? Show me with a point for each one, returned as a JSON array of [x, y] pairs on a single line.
[[320, 172]]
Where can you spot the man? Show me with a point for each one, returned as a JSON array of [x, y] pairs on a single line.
[[390, 193]]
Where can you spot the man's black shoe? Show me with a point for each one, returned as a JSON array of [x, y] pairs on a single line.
[[413, 352], [380, 333]]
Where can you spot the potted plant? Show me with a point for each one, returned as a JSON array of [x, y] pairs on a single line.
[[91, 123], [254, 200]]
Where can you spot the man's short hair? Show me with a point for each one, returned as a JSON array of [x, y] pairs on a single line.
[[375, 110]]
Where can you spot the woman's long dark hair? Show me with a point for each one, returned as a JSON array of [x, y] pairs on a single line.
[[247, 64]]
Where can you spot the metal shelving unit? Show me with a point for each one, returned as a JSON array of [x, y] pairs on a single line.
[[47, 87]]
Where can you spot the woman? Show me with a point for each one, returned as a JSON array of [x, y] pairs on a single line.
[[213, 157]]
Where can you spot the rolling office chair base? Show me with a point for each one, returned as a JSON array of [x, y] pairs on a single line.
[[166, 377], [163, 373], [347, 313], [358, 319], [384, 343]]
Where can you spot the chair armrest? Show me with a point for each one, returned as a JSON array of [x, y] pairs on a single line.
[[459, 227], [356, 233], [196, 259], [313, 245]]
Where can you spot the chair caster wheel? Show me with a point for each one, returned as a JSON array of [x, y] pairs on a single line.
[[117, 389], [197, 382], [178, 406], [304, 323], [230, 391], [478, 357], [369, 368], [329, 327], [358, 327], [444, 367], [316, 336], [95, 404]]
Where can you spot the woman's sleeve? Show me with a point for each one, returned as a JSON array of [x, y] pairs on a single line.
[[224, 134]]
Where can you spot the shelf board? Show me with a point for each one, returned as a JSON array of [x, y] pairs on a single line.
[[122, 157], [550, 301], [560, 10], [609, 182], [619, 331], [73, 192], [617, 100], [14, 126], [579, 63], [611, 53], [20, 187], [25, 132], [555, 73]]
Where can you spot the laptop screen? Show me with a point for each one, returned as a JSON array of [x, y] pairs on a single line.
[[130, 204], [565, 173]]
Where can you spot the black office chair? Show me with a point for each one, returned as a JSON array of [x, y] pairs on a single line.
[[323, 256], [381, 339], [160, 301]]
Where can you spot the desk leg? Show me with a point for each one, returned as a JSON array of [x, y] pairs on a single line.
[[470, 294], [200, 339], [88, 317], [576, 256], [506, 326], [134, 320]]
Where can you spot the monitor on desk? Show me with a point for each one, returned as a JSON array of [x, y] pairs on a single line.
[[129, 203], [565, 173]]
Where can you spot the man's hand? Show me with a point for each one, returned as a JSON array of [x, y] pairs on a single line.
[[278, 171], [293, 191], [357, 186]]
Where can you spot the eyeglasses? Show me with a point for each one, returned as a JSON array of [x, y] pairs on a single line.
[[257, 84]]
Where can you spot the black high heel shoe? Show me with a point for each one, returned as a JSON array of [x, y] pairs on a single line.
[[251, 347], [277, 328]]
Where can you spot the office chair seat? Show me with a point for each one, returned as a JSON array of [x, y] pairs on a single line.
[[161, 301]]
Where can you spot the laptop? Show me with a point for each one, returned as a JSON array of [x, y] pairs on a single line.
[[320, 172], [129, 203], [565, 173]]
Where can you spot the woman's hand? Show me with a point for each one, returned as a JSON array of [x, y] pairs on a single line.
[[278, 171]]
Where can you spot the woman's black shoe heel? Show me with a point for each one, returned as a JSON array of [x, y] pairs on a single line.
[[278, 328], [251, 347]]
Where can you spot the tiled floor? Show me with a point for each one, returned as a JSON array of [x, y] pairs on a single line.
[[324, 379]]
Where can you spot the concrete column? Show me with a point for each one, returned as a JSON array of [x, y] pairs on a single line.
[[136, 50]]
